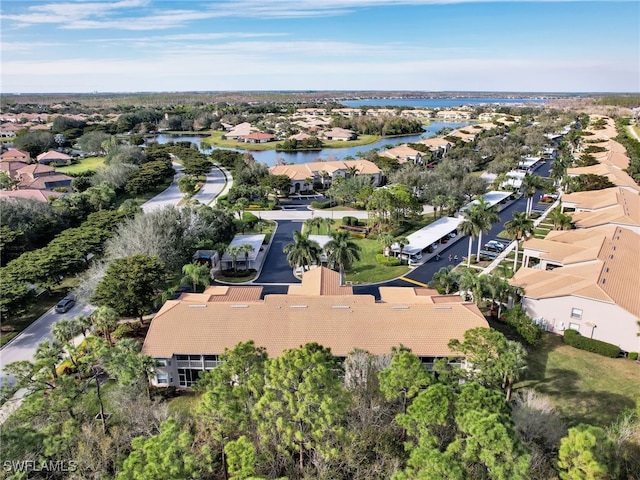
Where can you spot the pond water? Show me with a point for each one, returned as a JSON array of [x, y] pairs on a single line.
[[270, 157]]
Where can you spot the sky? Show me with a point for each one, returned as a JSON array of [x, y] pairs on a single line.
[[82, 46]]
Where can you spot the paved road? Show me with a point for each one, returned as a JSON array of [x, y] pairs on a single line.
[[276, 269], [218, 181], [23, 346], [171, 196]]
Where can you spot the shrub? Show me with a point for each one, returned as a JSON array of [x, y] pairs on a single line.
[[633, 355], [388, 261], [320, 205], [573, 338], [249, 218], [347, 220], [524, 325]]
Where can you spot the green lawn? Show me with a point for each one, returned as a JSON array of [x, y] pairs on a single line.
[[88, 164], [368, 270], [584, 386]]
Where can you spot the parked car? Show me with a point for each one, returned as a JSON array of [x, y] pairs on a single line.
[[64, 305], [549, 197], [494, 246]]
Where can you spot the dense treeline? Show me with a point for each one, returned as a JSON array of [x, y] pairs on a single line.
[[632, 146], [304, 414], [383, 126]]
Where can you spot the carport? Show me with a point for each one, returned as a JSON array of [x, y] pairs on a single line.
[[254, 240], [493, 197], [420, 240]]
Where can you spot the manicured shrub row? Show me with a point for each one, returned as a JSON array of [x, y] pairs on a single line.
[[524, 325], [350, 221], [388, 261], [633, 355], [320, 205], [573, 338]]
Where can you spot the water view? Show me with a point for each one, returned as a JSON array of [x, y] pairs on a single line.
[[271, 157], [439, 102]]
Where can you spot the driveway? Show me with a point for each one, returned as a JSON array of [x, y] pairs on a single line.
[[218, 181], [276, 269]]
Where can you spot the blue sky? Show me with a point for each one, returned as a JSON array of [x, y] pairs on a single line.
[[431, 45]]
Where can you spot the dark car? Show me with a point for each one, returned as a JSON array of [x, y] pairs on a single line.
[[64, 305], [493, 246]]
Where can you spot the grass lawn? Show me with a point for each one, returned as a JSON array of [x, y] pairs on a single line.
[[88, 164], [215, 139], [368, 270], [584, 386]]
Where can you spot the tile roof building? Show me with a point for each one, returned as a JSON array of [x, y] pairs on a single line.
[[54, 157], [13, 154], [403, 154], [299, 173], [42, 177], [597, 295], [187, 335]]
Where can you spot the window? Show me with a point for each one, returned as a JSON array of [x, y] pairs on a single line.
[[162, 362], [574, 326], [576, 313], [162, 378]]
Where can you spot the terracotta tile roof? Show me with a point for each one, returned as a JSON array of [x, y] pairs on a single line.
[[259, 136], [571, 246], [593, 200], [39, 195], [300, 171], [45, 182], [402, 153], [435, 143], [15, 154], [320, 281], [618, 177], [626, 212], [53, 155], [613, 277], [36, 169], [11, 167], [340, 322]]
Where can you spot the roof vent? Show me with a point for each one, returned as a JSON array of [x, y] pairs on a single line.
[[297, 306], [400, 307], [243, 305], [341, 307], [603, 281], [198, 305], [442, 307]]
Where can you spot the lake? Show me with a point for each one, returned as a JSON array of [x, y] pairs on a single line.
[[270, 157], [439, 102]]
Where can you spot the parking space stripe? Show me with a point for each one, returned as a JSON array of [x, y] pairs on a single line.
[[415, 282]]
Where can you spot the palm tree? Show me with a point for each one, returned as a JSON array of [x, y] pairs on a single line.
[[402, 242], [453, 204], [324, 176], [234, 252], [246, 248], [514, 360], [316, 222], [196, 274], [386, 239], [519, 226], [469, 226], [48, 355], [475, 284], [352, 171], [328, 222], [530, 185], [561, 221], [105, 321], [499, 289], [486, 217], [439, 201], [342, 251], [302, 252], [445, 280]]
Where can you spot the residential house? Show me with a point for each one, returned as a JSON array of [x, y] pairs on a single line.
[[615, 174], [57, 158], [41, 177], [438, 145], [258, 137], [598, 298], [13, 154], [304, 175], [453, 115], [239, 131], [9, 129], [30, 193], [187, 336], [338, 134], [403, 154], [11, 167]]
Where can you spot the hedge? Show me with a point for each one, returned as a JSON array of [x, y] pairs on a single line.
[[633, 355], [350, 221], [388, 261], [573, 338], [320, 205]]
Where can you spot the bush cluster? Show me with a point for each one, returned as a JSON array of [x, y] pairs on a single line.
[[351, 221], [524, 325], [388, 261], [320, 205], [573, 338], [633, 355]]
